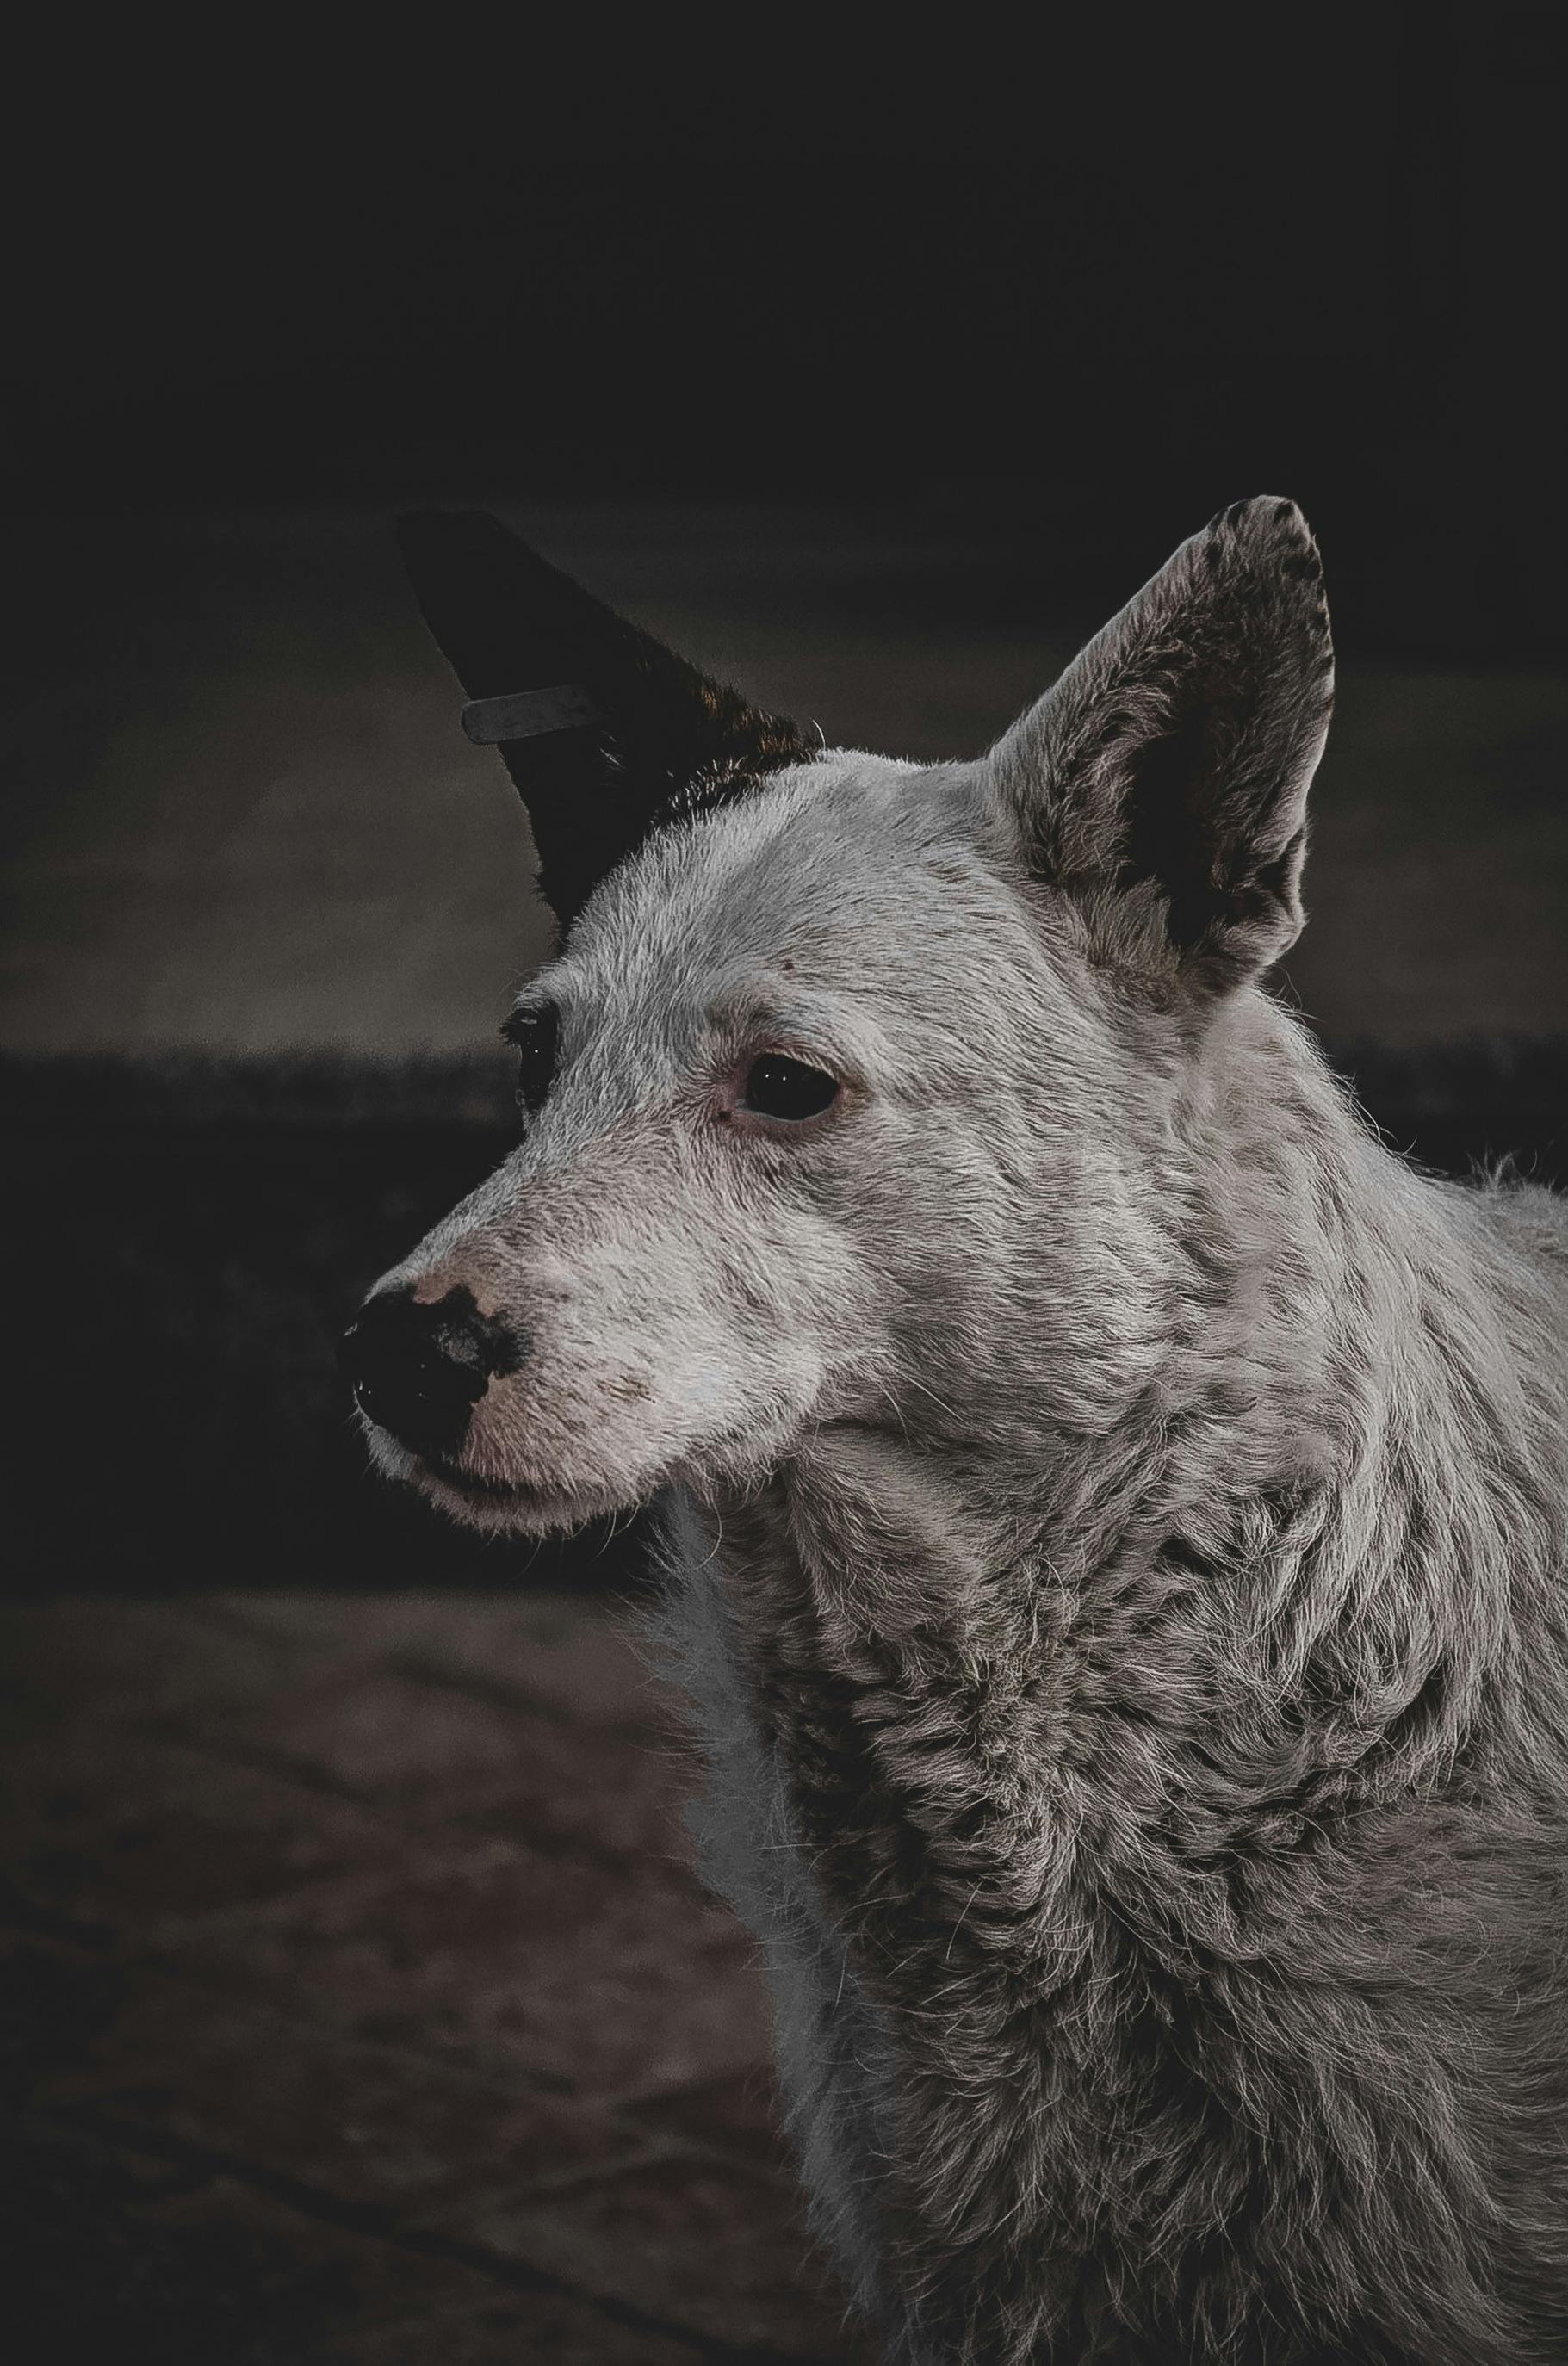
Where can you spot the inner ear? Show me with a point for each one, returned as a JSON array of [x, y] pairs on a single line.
[[1162, 781], [1167, 835]]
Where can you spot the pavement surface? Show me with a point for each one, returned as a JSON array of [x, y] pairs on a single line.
[[362, 2003]]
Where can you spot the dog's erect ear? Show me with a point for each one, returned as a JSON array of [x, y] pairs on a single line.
[[603, 730], [1162, 781]]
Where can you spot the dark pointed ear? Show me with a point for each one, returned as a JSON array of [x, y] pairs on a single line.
[[604, 731], [1162, 781]]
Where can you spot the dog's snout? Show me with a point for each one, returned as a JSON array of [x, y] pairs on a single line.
[[419, 1370]]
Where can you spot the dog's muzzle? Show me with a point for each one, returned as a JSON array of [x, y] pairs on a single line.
[[419, 1370]]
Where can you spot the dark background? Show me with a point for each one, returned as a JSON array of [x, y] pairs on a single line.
[[876, 380], [1053, 293]]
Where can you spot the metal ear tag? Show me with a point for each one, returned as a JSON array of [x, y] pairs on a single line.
[[528, 715]]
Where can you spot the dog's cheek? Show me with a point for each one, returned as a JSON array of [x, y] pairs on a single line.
[[664, 1393], [595, 1408]]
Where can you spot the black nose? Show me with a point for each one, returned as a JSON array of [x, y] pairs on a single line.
[[419, 1370]]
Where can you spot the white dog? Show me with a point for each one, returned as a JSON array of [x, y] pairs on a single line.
[[1116, 1509]]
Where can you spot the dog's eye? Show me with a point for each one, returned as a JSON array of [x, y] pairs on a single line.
[[537, 1035], [788, 1088]]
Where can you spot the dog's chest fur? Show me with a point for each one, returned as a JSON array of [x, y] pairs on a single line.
[[956, 2028]]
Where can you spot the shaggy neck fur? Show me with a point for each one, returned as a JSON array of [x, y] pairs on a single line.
[[1075, 1753]]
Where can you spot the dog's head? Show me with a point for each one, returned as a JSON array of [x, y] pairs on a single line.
[[848, 1095]]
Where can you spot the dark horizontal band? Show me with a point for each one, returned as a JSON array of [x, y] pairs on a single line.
[[529, 714]]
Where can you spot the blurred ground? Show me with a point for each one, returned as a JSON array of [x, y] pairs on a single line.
[[244, 819], [361, 2003]]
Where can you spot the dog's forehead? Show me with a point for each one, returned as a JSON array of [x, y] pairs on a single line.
[[813, 864]]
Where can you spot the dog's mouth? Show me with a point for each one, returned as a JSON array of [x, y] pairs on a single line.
[[529, 1506], [510, 1503], [496, 1502], [487, 1491]]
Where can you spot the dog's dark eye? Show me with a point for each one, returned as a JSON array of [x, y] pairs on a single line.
[[537, 1034], [779, 1088]]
